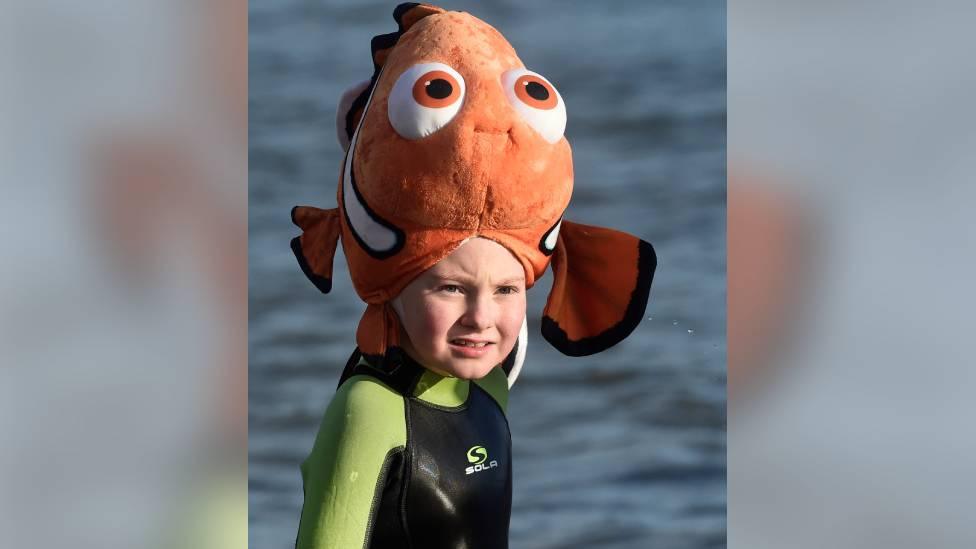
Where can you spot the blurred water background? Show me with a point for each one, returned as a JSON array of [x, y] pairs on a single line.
[[850, 274], [622, 450], [123, 367]]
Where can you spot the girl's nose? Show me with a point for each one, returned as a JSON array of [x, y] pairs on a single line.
[[480, 313]]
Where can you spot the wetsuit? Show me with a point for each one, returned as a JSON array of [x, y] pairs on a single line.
[[409, 459]]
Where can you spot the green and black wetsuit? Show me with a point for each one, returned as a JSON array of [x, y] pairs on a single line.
[[408, 459]]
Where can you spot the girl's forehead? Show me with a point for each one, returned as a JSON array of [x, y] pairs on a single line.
[[479, 258]]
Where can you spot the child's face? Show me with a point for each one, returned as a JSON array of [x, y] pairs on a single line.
[[475, 296]]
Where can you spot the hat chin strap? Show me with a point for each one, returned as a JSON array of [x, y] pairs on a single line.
[[519, 354], [397, 307]]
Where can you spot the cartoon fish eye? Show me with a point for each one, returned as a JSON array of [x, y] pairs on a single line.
[[424, 99], [537, 101]]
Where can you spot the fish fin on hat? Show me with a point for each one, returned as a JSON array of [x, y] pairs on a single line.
[[378, 335], [601, 283], [406, 15], [316, 247]]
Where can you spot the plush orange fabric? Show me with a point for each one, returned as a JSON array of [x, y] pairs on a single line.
[[602, 279], [407, 202]]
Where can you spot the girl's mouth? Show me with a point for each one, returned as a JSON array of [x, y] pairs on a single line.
[[469, 348], [469, 343]]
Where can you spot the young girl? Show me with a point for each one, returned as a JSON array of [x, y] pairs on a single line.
[[435, 425], [451, 198]]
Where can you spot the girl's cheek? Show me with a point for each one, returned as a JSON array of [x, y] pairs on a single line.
[[509, 323], [437, 318], [514, 312]]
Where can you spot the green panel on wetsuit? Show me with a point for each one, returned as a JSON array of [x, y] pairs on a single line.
[[453, 392], [496, 385], [364, 421], [442, 391]]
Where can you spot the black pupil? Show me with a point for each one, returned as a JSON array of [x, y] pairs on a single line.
[[439, 88], [537, 91]]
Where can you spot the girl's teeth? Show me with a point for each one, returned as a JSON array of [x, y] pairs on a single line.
[[469, 343]]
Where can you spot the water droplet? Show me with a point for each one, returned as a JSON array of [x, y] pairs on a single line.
[[354, 476], [674, 322], [692, 332]]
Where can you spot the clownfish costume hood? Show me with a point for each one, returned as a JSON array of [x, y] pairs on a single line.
[[453, 138]]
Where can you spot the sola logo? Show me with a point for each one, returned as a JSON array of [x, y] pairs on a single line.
[[477, 455]]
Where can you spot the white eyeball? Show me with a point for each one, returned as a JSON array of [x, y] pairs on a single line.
[[424, 99], [537, 100]]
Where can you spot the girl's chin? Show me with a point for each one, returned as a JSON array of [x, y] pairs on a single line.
[[468, 368]]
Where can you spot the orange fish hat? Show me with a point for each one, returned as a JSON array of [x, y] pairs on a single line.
[[453, 138]]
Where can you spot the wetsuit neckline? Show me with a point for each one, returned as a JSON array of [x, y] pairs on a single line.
[[441, 390], [411, 379], [435, 388]]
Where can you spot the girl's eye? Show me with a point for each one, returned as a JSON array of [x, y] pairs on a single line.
[[508, 290], [424, 99], [451, 289], [537, 101]]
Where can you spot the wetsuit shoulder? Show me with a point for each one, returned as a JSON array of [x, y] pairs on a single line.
[[363, 427], [496, 385]]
